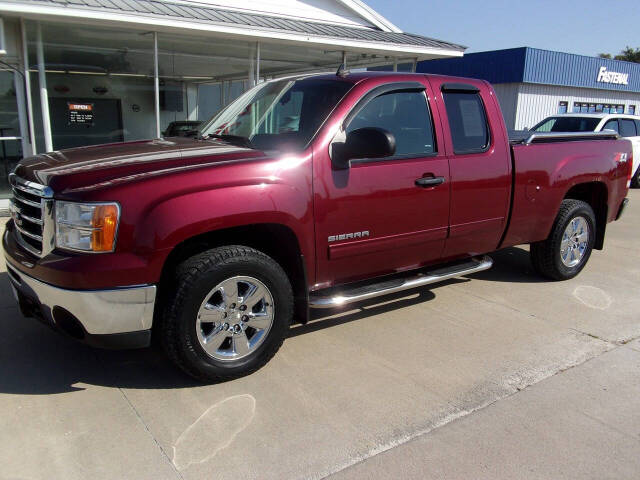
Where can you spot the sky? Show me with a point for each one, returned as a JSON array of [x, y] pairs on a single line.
[[586, 27]]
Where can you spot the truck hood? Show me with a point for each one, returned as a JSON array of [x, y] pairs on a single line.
[[84, 166]]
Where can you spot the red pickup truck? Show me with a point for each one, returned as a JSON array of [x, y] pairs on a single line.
[[307, 192]]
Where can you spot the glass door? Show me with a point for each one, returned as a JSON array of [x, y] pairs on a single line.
[[10, 140]]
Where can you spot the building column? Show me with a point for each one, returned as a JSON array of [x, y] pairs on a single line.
[[395, 64], [156, 82], [257, 63], [44, 97], [251, 75], [29, 134], [414, 65], [18, 84], [192, 101], [344, 60]]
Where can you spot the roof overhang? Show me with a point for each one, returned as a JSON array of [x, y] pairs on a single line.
[[70, 13]]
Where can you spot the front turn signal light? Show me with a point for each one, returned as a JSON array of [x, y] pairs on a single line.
[[105, 223]]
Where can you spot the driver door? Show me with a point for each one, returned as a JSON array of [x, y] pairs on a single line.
[[379, 216]]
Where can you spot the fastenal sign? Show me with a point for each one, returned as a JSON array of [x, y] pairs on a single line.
[[606, 76]]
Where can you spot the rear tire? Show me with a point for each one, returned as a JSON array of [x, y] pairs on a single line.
[[228, 315], [635, 180], [568, 248]]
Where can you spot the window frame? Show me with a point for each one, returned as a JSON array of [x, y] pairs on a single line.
[[387, 89], [470, 91]]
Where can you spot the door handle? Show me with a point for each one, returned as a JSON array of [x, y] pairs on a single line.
[[426, 182]]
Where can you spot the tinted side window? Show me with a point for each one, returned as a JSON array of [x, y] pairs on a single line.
[[627, 127], [637, 122], [467, 121], [406, 115], [611, 125]]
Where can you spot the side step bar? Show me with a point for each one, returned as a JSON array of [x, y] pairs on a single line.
[[358, 294]]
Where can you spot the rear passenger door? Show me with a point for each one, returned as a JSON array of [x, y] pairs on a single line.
[[479, 163]]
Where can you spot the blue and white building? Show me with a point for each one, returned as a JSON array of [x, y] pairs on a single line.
[[532, 84]]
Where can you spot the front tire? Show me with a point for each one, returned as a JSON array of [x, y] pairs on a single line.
[[568, 248], [228, 315]]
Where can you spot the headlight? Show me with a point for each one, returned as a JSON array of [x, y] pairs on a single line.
[[87, 227]]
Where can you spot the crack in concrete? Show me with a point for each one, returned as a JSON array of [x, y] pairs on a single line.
[[606, 340], [610, 427], [500, 304], [146, 427], [463, 413]]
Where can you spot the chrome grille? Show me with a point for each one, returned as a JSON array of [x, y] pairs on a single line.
[[32, 211]]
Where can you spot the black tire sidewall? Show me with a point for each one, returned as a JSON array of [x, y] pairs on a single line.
[[206, 281], [581, 210], [635, 180]]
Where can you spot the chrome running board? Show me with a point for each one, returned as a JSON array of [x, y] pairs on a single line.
[[366, 292]]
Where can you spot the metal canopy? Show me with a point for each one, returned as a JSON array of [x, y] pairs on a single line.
[[253, 24]]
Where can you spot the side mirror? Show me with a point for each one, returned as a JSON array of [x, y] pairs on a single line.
[[369, 142]]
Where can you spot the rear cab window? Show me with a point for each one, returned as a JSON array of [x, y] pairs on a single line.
[[567, 124], [467, 121], [627, 127], [611, 125]]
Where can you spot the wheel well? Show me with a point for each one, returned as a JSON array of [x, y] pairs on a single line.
[[595, 194], [275, 240]]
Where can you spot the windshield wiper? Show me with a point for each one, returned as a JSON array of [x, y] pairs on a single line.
[[235, 139]]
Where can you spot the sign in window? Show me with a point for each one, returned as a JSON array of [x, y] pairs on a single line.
[[80, 113]]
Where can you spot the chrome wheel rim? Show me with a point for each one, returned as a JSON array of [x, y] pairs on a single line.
[[575, 241], [235, 318]]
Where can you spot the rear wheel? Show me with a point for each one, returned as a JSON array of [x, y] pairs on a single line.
[[568, 248], [229, 314], [635, 180]]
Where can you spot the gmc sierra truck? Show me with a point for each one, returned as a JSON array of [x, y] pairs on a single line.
[[308, 192]]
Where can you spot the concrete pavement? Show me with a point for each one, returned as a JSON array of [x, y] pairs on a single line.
[[581, 423], [458, 381]]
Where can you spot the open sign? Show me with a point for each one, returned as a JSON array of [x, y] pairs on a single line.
[[80, 113]]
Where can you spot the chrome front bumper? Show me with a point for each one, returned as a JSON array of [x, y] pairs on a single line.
[[98, 312]]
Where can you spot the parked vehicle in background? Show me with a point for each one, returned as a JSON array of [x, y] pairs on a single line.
[[628, 126], [306, 192], [183, 128]]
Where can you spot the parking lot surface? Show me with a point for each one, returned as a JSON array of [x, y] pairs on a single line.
[[498, 375]]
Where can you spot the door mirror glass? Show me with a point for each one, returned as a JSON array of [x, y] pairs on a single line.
[[368, 142]]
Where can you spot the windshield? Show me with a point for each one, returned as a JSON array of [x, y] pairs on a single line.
[[567, 124], [278, 115]]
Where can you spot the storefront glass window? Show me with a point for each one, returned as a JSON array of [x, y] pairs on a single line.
[[10, 149], [562, 107], [99, 83], [190, 92], [632, 109]]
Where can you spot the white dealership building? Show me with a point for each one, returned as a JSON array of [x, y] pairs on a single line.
[[83, 72]]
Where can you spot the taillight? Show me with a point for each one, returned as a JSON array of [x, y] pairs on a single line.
[[629, 168]]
